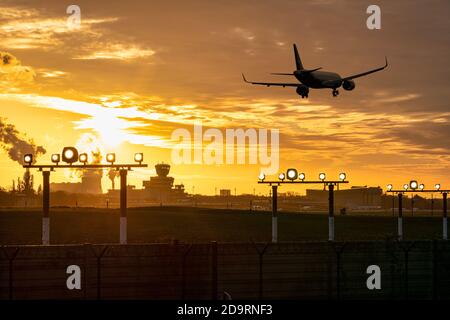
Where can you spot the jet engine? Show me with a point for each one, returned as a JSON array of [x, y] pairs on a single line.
[[303, 91], [348, 85]]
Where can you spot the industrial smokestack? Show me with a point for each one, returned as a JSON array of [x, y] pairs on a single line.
[[112, 174], [91, 179], [15, 145]]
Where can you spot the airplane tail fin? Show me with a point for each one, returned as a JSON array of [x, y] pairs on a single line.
[[298, 61]]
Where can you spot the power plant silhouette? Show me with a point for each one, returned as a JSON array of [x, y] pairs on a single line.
[[91, 183]]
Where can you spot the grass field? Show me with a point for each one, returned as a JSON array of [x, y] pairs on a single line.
[[163, 224]]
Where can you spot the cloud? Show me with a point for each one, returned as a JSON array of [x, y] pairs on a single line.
[[45, 33], [397, 98], [139, 119], [197, 63], [424, 135], [17, 13], [34, 30], [51, 74], [116, 51], [244, 33], [12, 72]]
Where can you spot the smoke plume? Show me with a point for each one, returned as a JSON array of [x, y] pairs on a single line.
[[12, 71], [13, 142], [90, 144]]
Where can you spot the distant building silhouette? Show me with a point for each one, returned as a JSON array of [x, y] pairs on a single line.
[[225, 192], [355, 197], [91, 183]]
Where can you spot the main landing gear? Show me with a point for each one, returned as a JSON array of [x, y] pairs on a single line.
[[303, 91], [335, 92]]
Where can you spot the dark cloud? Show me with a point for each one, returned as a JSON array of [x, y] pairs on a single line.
[[427, 135]]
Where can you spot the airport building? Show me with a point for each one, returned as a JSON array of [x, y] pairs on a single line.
[[161, 187]]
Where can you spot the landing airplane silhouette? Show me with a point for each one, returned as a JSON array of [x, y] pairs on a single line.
[[315, 79]]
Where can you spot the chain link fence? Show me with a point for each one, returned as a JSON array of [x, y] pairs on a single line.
[[301, 270]]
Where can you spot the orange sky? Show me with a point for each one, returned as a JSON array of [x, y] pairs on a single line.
[[137, 70]]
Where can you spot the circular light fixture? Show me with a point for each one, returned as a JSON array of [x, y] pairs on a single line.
[[70, 155], [437, 186], [281, 176], [342, 176], [413, 184], [111, 157], [389, 187], [56, 158], [139, 157], [28, 158], [302, 176], [83, 158], [405, 186], [292, 174], [322, 176], [261, 176], [421, 186]]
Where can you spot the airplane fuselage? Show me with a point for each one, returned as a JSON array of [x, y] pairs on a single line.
[[319, 79]]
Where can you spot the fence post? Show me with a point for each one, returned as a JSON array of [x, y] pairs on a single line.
[[85, 271], [214, 277], [338, 269], [408, 248], [99, 272], [183, 271], [260, 271], [406, 273], [11, 274], [338, 275], [330, 271], [11, 270], [435, 270]]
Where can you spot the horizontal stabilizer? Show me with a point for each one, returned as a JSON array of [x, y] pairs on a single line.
[[311, 70], [282, 74]]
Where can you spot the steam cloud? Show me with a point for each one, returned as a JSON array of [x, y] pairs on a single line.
[[15, 145], [90, 144]]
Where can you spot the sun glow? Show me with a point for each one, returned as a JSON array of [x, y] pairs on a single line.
[[111, 130]]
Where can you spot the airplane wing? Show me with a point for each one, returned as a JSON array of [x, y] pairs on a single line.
[[366, 73], [273, 83]]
